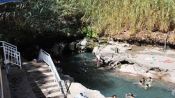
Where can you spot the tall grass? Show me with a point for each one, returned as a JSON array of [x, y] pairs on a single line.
[[111, 16], [115, 16]]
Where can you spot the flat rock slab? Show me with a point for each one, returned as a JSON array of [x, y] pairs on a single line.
[[144, 58]]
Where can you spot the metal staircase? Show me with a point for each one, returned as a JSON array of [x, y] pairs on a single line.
[[43, 75], [11, 54], [11, 57], [43, 81], [44, 78]]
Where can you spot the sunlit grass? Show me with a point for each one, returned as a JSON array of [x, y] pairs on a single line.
[[129, 15]]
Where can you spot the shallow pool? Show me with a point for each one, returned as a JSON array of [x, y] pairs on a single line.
[[82, 68]]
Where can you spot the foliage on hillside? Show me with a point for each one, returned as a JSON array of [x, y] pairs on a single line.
[[72, 17], [35, 24], [33, 19], [115, 16], [45, 22]]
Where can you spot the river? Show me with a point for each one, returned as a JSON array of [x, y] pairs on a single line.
[[82, 68]]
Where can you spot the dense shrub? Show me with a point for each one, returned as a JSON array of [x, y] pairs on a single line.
[[41, 18]]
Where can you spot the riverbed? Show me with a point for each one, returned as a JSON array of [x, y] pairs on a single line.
[[82, 67]]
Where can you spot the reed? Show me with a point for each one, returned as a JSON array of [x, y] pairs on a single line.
[[115, 16], [110, 16]]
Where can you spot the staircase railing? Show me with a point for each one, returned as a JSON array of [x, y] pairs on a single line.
[[1, 84], [11, 54], [44, 56], [11, 57]]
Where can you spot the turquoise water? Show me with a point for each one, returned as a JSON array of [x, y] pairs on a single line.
[[82, 68]]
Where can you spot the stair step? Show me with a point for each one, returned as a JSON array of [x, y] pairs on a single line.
[[46, 91], [39, 95], [55, 94], [46, 85], [47, 73], [43, 82], [40, 74], [43, 86], [41, 69], [40, 64], [45, 78], [35, 65], [50, 90]]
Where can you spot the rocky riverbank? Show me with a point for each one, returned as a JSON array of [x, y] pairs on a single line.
[[145, 61], [146, 37], [79, 91]]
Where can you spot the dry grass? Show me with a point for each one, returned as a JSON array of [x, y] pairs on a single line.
[[115, 16]]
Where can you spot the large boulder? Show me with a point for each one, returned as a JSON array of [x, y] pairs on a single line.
[[77, 90]]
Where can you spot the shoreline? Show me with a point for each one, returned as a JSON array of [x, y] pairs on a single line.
[[129, 76], [135, 78], [141, 61]]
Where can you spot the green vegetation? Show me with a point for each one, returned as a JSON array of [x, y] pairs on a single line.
[[115, 16], [35, 24], [53, 16], [45, 22], [87, 31], [40, 19], [73, 17]]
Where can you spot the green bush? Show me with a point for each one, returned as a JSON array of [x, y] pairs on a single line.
[[88, 32], [53, 16], [36, 19]]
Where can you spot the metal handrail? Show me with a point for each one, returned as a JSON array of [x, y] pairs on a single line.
[[11, 55], [1, 84], [44, 56], [10, 45]]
